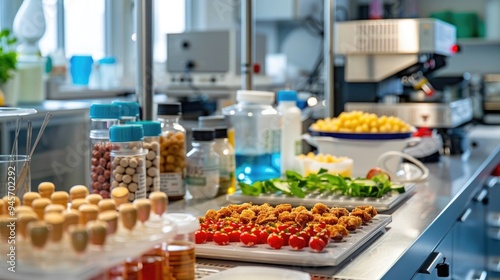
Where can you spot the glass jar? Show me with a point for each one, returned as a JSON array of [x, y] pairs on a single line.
[[102, 118], [257, 135], [128, 160], [227, 179], [151, 146], [129, 111], [202, 175], [224, 147], [172, 151], [181, 253]]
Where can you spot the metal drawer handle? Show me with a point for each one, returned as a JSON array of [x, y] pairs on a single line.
[[492, 181], [481, 196], [465, 215], [430, 263], [477, 275]]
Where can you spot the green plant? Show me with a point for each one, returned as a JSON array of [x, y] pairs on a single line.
[[8, 56]]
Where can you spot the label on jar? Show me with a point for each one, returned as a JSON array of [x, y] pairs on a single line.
[[200, 176], [172, 184], [227, 170], [141, 191]]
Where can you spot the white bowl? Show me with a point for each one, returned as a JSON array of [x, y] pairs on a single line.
[[366, 154]]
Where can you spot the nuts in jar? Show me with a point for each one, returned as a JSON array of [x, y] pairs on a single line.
[[173, 152], [128, 172]]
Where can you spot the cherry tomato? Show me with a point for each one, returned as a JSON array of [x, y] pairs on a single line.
[[286, 237], [200, 236], [282, 227], [263, 235], [317, 244], [294, 229], [306, 236], [297, 242], [324, 235], [228, 229], [210, 235], [221, 238], [234, 236], [248, 239], [275, 241]]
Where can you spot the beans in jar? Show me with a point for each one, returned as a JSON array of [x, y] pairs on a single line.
[[128, 172], [100, 173], [152, 166], [173, 152]]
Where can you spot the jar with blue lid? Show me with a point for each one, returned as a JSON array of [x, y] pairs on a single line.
[[151, 146], [102, 118], [128, 168], [129, 111]]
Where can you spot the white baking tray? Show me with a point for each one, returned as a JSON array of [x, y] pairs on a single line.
[[334, 254], [384, 203]]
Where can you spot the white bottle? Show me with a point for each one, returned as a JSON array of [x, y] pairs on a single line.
[[291, 129]]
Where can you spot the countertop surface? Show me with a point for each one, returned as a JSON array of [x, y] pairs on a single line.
[[418, 223]]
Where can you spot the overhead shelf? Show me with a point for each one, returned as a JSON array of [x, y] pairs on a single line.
[[478, 41]]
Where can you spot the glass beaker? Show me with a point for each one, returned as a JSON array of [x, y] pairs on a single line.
[[15, 176]]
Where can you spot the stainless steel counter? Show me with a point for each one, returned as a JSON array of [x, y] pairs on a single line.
[[419, 223]]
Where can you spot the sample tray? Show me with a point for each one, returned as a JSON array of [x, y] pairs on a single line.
[[334, 254], [384, 203], [52, 264]]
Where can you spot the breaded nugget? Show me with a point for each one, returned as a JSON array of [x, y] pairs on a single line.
[[303, 218], [320, 208], [362, 214], [337, 232], [224, 212], [339, 212], [329, 219], [247, 216], [286, 216], [350, 222], [211, 215], [299, 209], [280, 208], [370, 210]]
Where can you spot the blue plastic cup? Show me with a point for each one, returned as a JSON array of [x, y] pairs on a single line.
[[80, 68]]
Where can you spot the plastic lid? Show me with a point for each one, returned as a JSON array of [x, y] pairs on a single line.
[[186, 223], [287, 95], [129, 108], [254, 96], [212, 121], [105, 111], [107, 60], [126, 133], [220, 132], [203, 134], [150, 128], [169, 109]]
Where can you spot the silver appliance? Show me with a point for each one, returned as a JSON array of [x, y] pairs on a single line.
[[387, 63], [211, 61]]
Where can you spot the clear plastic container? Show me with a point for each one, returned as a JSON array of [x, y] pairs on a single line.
[[108, 73], [172, 151], [291, 129], [202, 176], [102, 117], [129, 111], [181, 249], [128, 168], [257, 135], [151, 144]]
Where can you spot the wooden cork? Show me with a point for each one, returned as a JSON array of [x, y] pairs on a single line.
[[120, 195], [128, 215], [75, 204], [23, 219], [29, 197], [46, 189], [106, 205], [79, 237], [39, 205], [54, 208], [88, 212], [97, 232], [39, 233], [94, 198], [159, 202], [56, 220], [71, 217], [111, 218], [61, 198], [143, 206], [78, 191]]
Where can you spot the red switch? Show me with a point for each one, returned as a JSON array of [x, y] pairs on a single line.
[[256, 68]]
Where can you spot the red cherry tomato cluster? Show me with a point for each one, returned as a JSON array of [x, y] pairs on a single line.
[[223, 232]]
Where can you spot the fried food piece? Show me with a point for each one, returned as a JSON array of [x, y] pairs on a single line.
[[368, 209], [280, 208], [350, 222], [211, 215], [264, 219], [329, 219], [299, 209], [247, 216], [239, 208], [339, 212], [303, 218], [224, 212], [337, 232], [261, 208], [286, 216], [320, 208], [361, 214]]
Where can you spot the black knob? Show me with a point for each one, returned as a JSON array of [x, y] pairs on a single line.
[[190, 64], [443, 269], [185, 45]]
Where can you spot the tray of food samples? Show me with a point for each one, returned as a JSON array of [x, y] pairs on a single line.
[[376, 190], [299, 236]]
